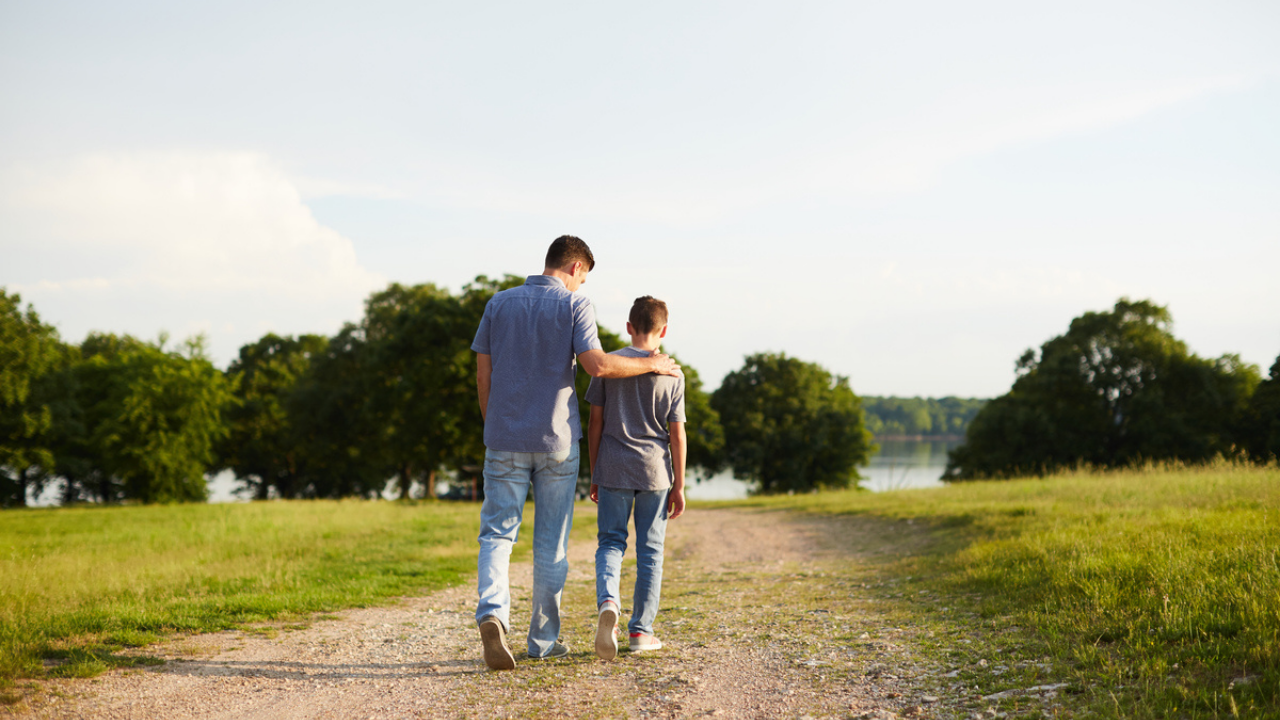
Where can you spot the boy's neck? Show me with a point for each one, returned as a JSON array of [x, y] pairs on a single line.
[[648, 342]]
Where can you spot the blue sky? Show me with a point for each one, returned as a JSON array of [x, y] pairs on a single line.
[[909, 194]]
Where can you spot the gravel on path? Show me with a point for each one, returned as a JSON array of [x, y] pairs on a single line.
[[760, 619]]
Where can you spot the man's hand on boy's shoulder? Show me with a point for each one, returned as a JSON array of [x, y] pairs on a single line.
[[664, 365]]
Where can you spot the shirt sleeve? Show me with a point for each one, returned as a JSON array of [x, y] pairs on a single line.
[[677, 403], [595, 392], [481, 342], [585, 336]]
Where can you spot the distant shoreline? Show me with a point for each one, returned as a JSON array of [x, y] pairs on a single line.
[[931, 438]]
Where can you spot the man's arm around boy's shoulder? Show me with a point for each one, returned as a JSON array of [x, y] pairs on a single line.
[[599, 364]]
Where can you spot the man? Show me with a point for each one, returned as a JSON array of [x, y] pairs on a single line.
[[526, 344]]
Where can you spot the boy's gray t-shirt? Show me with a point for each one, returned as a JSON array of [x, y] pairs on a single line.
[[635, 448]]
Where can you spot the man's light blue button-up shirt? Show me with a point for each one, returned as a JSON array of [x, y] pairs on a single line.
[[533, 335]]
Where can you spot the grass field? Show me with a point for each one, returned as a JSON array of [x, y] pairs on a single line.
[[1160, 587], [78, 584]]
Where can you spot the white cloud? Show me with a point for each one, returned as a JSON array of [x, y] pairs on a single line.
[[211, 240], [201, 221], [316, 187]]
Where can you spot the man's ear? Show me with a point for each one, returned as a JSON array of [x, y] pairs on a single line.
[[630, 330], [664, 332]]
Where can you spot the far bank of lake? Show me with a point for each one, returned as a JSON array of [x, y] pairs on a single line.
[[900, 463]]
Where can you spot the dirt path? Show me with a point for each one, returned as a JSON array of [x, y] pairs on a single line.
[[764, 616]]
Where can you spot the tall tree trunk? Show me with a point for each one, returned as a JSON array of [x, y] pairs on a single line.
[[24, 482], [289, 480], [406, 480]]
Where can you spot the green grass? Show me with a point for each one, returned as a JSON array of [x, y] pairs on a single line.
[[78, 585], [1158, 587], [1152, 592]]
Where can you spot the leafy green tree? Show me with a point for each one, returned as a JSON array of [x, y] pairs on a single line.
[[74, 462], [87, 476], [1116, 388], [889, 416], [261, 447], [30, 354], [333, 425], [422, 378], [394, 396], [1259, 426], [702, 427], [791, 425], [952, 415], [151, 419]]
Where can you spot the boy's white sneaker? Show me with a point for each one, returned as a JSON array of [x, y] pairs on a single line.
[[641, 642], [606, 632]]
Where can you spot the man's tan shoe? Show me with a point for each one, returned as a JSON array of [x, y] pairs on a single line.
[[496, 653]]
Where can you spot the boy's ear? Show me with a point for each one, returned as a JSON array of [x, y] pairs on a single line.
[[663, 333], [630, 330]]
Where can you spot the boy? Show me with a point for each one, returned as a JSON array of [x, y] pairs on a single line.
[[636, 441]]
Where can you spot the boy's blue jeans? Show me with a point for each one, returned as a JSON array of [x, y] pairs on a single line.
[[615, 508], [507, 479]]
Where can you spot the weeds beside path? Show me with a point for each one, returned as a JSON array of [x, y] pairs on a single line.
[[1150, 592], [765, 614]]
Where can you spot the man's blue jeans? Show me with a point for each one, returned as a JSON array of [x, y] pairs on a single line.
[[507, 478], [615, 507]]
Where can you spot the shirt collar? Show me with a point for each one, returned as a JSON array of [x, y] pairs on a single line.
[[545, 280]]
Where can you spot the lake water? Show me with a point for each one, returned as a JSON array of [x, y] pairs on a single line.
[[900, 464]]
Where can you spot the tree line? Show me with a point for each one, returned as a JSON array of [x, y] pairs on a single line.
[[1117, 388], [388, 402], [915, 416], [113, 417]]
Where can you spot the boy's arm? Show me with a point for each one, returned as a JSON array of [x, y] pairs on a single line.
[[679, 447], [595, 428]]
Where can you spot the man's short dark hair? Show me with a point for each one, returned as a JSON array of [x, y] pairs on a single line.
[[569, 249], [648, 314]]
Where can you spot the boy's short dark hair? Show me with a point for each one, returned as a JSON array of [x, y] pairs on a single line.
[[647, 315], [569, 249]]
